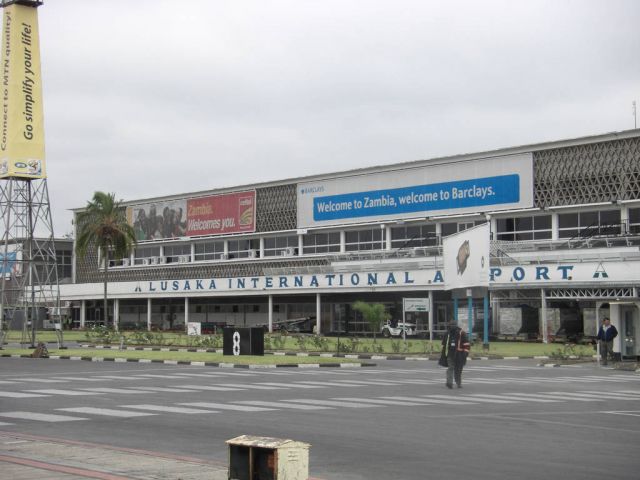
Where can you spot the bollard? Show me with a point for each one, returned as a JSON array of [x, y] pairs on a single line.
[[267, 458]]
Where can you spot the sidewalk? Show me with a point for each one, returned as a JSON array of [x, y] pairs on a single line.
[[32, 457]]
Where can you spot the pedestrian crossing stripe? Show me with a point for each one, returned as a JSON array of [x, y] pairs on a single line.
[[283, 405], [63, 392], [21, 395], [515, 397], [114, 390], [108, 412], [40, 417], [162, 408], [223, 406], [332, 403], [331, 384], [253, 386], [165, 389], [289, 385], [211, 387], [471, 398], [621, 395], [381, 401]]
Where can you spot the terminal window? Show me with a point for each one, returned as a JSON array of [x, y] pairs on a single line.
[[589, 224], [524, 228], [414, 236], [321, 243], [368, 239]]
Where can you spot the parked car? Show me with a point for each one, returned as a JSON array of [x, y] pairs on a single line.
[[395, 329]]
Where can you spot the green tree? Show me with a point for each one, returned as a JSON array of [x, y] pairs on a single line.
[[103, 225], [373, 313]]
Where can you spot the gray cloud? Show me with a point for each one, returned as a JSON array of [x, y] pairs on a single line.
[[158, 97]]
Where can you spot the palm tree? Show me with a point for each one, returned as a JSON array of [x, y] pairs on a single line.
[[103, 224], [373, 313]]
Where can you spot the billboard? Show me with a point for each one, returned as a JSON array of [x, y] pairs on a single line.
[[467, 186], [22, 134], [466, 258], [10, 265], [212, 215]]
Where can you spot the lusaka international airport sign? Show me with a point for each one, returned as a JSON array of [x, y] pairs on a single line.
[[538, 276]]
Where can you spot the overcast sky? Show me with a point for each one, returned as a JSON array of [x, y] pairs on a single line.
[[148, 98]]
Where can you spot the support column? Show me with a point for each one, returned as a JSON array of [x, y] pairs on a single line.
[[598, 305], [186, 314], [83, 313], [116, 314], [343, 241], [270, 315], [148, 314], [387, 237], [470, 309], [300, 244], [431, 314], [543, 313], [485, 307], [555, 234], [455, 310], [318, 313]]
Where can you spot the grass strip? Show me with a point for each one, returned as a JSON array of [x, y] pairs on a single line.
[[183, 356]]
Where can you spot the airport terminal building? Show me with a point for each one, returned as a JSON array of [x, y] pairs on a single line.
[[564, 218]]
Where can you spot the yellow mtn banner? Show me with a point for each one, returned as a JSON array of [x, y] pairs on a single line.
[[22, 132]]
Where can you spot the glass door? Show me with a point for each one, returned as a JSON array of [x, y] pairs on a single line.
[[629, 316]]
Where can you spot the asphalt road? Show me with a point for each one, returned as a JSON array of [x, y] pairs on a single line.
[[512, 419]]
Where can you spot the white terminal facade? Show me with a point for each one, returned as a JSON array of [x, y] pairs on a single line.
[[565, 246]]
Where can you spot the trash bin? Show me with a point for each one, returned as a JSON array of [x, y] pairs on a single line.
[[266, 458], [243, 341]]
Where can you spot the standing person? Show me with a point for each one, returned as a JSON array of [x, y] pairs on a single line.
[[455, 349], [606, 334]]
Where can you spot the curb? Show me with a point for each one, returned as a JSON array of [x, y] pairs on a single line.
[[195, 364]]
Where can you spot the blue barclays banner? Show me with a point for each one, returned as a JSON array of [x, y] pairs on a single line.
[[453, 186], [477, 192]]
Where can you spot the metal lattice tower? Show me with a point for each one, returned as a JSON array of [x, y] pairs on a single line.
[[29, 282]]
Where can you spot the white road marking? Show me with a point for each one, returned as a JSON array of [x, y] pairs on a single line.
[[41, 380], [332, 403], [122, 377], [287, 385], [161, 408], [282, 405], [632, 413], [373, 382], [597, 398], [331, 384], [40, 417], [434, 400], [20, 395], [614, 395], [210, 387], [546, 395], [108, 412], [164, 389], [113, 390], [52, 391], [509, 396], [79, 379], [252, 387], [467, 397], [223, 406], [400, 403]]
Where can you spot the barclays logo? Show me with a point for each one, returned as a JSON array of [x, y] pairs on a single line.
[[317, 189]]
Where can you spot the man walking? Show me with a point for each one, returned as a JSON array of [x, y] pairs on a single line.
[[606, 334], [455, 348]]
